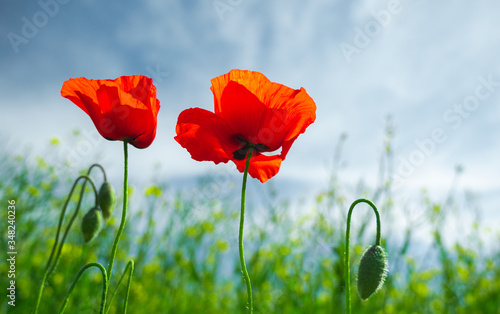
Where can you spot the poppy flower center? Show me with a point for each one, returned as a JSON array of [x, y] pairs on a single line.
[[241, 153]]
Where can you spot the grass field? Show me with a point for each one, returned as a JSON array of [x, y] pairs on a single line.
[[184, 245]]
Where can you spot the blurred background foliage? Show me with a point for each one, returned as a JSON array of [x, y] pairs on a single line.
[[184, 244]]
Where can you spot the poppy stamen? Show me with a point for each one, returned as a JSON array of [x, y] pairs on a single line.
[[241, 152], [261, 147]]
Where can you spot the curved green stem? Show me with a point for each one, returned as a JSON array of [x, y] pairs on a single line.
[[131, 262], [48, 268], [124, 211], [347, 235], [242, 221], [130, 265], [40, 292], [78, 275], [102, 169], [77, 210]]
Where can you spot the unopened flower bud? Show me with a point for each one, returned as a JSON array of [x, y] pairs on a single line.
[[107, 199], [91, 224], [372, 271]]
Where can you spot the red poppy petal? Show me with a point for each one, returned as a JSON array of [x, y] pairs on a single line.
[[135, 126], [122, 109], [242, 111], [261, 167], [256, 82], [289, 111], [111, 98], [74, 88], [82, 92], [239, 76], [141, 88], [130, 84], [248, 108], [205, 135], [301, 111]]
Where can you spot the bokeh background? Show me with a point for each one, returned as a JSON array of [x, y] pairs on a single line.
[[361, 62], [420, 74]]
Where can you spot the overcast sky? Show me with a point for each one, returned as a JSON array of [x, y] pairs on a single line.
[[434, 66]]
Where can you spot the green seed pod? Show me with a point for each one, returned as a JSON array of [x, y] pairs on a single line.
[[91, 224], [372, 271], [107, 199]]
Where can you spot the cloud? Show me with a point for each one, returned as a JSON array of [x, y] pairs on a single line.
[[427, 57]]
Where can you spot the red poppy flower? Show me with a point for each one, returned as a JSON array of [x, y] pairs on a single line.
[[249, 110], [124, 109]]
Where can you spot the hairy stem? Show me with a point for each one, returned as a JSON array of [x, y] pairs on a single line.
[[242, 221], [124, 211], [347, 235], [78, 275], [50, 264], [130, 266]]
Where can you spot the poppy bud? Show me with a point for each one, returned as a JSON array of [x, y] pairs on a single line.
[[91, 224], [372, 271], [107, 199]]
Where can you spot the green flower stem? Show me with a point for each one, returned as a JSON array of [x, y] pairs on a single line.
[[242, 221], [48, 268], [130, 266], [131, 263], [58, 256], [124, 212], [102, 169], [78, 275], [347, 235]]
